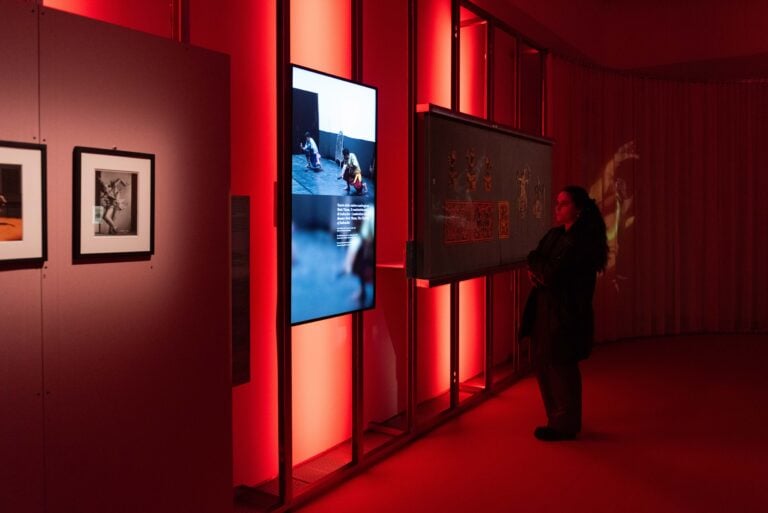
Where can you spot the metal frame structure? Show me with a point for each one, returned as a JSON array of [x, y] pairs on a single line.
[[288, 498]]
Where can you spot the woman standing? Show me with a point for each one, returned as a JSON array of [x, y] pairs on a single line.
[[558, 315]]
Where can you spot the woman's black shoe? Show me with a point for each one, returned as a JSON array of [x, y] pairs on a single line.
[[548, 434]]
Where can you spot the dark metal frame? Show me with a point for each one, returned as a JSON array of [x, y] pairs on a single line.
[[360, 460], [284, 334], [495, 24], [35, 261]]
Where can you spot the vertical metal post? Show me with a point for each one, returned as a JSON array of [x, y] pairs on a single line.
[[284, 339], [455, 55], [357, 317], [411, 293], [516, 307], [454, 339], [490, 65], [544, 66], [357, 387], [454, 286], [518, 82], [180, 21], [489, 320]]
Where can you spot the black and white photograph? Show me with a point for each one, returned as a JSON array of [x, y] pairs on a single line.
[[22, 203], [113, 212]]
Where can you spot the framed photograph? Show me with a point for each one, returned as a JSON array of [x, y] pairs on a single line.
[[114, 203], [22, 204]]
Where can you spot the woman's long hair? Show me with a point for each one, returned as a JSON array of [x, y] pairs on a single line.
[[589, 224]]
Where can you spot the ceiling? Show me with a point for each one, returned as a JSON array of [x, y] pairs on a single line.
[[681, 39]]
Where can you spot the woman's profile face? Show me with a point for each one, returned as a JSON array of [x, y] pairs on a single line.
[[565, 210]]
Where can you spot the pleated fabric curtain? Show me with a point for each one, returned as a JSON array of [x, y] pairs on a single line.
[[680, 172]]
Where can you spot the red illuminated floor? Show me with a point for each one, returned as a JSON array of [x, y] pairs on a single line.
[[670, 425]]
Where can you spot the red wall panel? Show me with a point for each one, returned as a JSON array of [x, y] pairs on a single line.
[[433, 85], [21, 341], [504, 77], [321, 35], [471, 328], [473, 88], [322, 351], [473, 68], [433, 59], [433, 339], [136, 357], [385, 66], [247, 31]]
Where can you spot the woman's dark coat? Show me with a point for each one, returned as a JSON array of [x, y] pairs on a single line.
[[558, 314]]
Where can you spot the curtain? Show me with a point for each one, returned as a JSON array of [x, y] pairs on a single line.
[[679, 170]]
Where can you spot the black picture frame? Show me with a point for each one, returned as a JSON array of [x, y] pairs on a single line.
[[23, 205], [113, 212]]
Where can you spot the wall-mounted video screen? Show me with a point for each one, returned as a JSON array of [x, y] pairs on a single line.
[[333, 170]]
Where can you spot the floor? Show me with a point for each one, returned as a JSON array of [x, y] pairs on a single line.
[[673, 424]]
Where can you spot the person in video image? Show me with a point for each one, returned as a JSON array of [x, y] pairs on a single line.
[[357, 181], [558, 315], [360, 260], [309, 147], [348, 166]]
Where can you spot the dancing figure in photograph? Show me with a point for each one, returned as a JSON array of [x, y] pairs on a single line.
[[558, 315], [309, 147], [110, 200], [350, 167]]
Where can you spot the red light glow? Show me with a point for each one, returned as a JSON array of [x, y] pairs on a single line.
[[434, 342], [145, 15], [473, 69], [321, 35], [322, 351], [434, 52], [322, 385], [471, 328]]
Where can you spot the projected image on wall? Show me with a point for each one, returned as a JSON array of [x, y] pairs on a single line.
[[333, 170]]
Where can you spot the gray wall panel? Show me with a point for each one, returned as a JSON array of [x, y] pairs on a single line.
[[21, 413], [137, 352]]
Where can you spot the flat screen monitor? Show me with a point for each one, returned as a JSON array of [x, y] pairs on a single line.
[[333, 191]]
